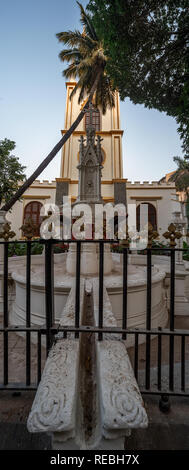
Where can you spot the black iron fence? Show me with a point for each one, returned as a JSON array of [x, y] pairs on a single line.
[[50, 328]]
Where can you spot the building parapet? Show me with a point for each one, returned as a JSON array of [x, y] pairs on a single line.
[[151, 185], [42, 184]]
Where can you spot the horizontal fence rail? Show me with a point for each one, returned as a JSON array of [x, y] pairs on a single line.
[[34, 352]]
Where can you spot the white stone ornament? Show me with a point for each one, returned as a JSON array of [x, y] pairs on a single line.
[[55, 402], [121, 402], [58, 407]]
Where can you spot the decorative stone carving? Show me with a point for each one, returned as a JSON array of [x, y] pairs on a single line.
[[55, 402], [121, 402], [90, 166], [58, 408]]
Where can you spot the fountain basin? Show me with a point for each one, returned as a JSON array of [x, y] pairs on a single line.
[[113, 295]]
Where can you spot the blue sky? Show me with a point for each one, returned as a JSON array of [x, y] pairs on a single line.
[[32, 94]]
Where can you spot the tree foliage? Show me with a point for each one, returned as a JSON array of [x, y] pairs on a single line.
[[181, 175], [86, 59], [147, 42], [11, 171], [181, 179]]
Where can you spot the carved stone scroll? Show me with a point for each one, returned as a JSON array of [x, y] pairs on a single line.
[[122, 406], [55, 401]]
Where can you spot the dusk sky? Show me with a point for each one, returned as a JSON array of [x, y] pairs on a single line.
[[33, 94]]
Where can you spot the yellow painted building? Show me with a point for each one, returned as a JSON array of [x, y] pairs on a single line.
[[108, 127], [115, 188]]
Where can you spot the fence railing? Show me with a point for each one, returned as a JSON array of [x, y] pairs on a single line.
[[50, 328]]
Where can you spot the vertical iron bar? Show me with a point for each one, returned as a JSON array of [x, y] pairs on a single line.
[[49, 291], [28, 313], [124, 311], [101, 288], [38, 357], [172, 320], [172, 291], [77, 288], [148, 315], [159, 358], [183, 363], [136, 356], [5, 312]]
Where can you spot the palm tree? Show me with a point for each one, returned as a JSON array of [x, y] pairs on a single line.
[[87, 62], [181, 179]]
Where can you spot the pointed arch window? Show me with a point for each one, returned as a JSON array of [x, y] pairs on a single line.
[[95, 119], [32, 211]]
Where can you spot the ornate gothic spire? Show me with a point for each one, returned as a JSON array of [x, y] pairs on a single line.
[[90, 164]]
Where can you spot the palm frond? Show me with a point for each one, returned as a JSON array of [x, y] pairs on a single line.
[[87, 59], [75, 39], [86, 21], [67, 55], [82, 93], [182, 163], [77, 86], [87, 62], [105, 95], [84, 83], [71, 71]]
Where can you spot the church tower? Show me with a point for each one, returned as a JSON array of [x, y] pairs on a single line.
[[107, 127]]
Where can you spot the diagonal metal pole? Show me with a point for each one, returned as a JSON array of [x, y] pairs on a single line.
[[53, 152]]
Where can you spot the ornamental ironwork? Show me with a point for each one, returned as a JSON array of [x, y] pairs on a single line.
[[152, 235], [29, 229], [7, 233], [172, 234]]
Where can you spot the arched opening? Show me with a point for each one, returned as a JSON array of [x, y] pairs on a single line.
[[32, 211], [152, 216], [95, 119]]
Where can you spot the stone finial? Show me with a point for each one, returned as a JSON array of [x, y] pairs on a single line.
[[81, 148], [152, 235], [29, 229], [90, 164], [172, 234], [99, 150], [90, 129], [7, 233], [90, 110]]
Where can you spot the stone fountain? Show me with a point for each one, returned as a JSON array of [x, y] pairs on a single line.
[[89, 191]]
